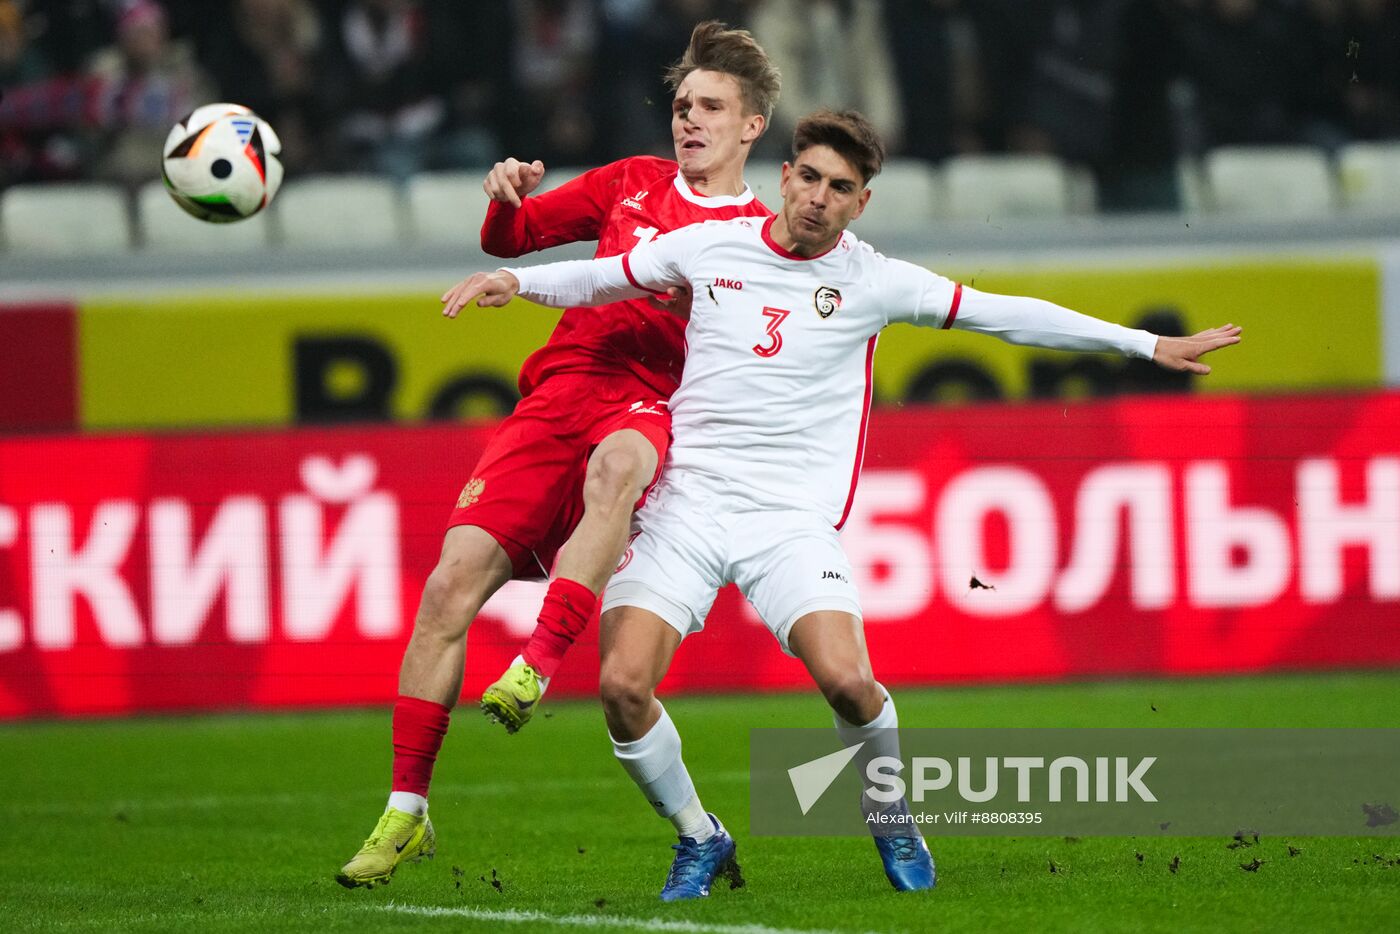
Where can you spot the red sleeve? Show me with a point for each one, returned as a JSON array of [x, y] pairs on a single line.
[[568, 214]]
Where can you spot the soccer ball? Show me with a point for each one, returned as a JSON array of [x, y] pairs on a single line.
[[220, 163]]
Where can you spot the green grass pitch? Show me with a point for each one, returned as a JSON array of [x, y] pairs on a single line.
[[238, 822]]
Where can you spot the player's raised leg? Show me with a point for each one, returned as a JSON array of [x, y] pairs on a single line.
[[637, 647], [619, 470], [832, 646], [470, 569]]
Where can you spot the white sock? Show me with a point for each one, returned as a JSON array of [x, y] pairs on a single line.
[[407, 801], [655, 764], [544, 682], [881, 738], [692, 821]]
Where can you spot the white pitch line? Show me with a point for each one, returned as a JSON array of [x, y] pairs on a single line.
[[512, 916]]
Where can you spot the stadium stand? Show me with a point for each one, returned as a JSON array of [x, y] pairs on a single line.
[[980, 186], [765, 180], [1083, 191], [446, 207], [340, 211], [442, 209], [1370, 177], [906, 194], [1278, 181], [162, 227], [1191, 186], [77, 218]]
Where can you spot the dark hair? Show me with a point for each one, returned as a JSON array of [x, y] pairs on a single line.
[[716, 47], [848, 133]]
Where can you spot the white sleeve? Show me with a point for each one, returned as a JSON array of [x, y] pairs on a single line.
[[575, 282], [914, 295], [647, 270], [1019, 320]]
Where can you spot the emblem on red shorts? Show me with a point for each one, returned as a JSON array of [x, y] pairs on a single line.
[[471, 492]]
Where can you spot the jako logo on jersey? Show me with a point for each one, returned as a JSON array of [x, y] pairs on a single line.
[[734, 284], [827, 300], [653, 408], [834, 576], [634, 202]]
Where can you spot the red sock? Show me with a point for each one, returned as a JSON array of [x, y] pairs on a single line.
[[568, 608], [419, 727]]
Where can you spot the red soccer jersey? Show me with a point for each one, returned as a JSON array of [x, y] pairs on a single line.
[[619, 205]]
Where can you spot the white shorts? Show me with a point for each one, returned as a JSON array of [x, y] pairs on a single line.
[[788, 563]]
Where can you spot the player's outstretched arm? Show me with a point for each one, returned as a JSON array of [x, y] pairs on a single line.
[[489, 289], [1037, 323], [559, 285], [512, 180], [651, 269], [1181, 354]]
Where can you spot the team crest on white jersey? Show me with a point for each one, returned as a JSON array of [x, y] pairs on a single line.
[[634, 202], [827, 300]]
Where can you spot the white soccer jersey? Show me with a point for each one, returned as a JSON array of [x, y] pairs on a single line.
[[775, 394]]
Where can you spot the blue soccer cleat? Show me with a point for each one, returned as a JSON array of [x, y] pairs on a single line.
[[698, 864], [908, 863]]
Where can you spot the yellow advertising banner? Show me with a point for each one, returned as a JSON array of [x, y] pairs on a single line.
[[1308, 324], [282, 357]]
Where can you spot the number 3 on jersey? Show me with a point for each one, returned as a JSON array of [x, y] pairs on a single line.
[[775, 317]]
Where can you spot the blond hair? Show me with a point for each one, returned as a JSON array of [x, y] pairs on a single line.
[[716, 47]]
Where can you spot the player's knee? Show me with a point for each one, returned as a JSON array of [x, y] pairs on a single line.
[[451, 599], [854, 696], [626, 693], [617, 474]]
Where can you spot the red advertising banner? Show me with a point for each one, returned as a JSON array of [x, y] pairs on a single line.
[[38, 366], [1139, 537]]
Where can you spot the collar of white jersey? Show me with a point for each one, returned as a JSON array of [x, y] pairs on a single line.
[[766, 233], [712, 201]]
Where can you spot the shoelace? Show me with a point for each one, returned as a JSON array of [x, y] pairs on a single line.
[[374, 838], [380, 829], [905, 848], [687, 855]]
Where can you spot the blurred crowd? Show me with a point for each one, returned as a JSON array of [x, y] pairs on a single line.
[[1122, 87]]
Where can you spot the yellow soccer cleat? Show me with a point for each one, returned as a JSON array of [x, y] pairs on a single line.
[[399, 837], [512, 699]]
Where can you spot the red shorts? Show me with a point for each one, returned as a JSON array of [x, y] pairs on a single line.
[[527, 488]]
